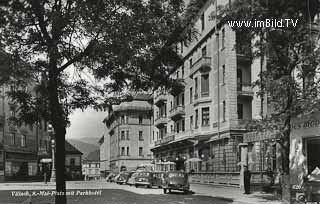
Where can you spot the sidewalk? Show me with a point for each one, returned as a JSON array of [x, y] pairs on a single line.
[[234, 194]]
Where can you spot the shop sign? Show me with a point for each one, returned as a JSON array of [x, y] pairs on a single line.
[[306, 124], [260, 136]]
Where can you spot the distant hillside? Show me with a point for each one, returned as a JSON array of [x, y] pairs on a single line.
[[85, 145], [94, 156]]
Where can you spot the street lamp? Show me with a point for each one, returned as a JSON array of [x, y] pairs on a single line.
[[53, 169]]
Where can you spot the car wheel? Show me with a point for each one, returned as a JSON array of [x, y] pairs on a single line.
[[136, 185], [159, 186], [169, 190], [165, 191], [149, 186]]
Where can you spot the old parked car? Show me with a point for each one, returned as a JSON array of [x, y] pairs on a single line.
[[132, 179], [110, 177], [176, 180], [123, 177], [144, 178]]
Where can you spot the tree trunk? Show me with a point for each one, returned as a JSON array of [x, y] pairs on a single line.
[[285, 151], [59, 125]]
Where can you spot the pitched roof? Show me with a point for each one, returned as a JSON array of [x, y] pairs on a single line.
[[70, 149]]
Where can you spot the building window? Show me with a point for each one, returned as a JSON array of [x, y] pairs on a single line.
[[240, 111], [157, 135], [140, 119], [122, 135], [224, 111], [13, 138], [140, 151], [140, 136], [204, 85], [23, 140], [223, 38], [122, 120], [177, 74], [128, 152], [190, 63], [178, 127], [205, 116], [171, 128], [204, 51], [122, 151], [191, 122], [127, 134], [190, 95], [196, 88], [183, 125], [182, 99], [72, 162], [152, 135], [196, 122], [202, 22], [223, 74]]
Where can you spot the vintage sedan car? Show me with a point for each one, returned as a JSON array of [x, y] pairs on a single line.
[[110, 177], [176, 180], [144, 178], [132, 179], [123, 177]]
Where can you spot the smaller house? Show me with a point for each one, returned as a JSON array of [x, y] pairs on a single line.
[[91, 166], [73, 162]]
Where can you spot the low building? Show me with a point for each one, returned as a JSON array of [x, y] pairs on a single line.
[[91, 166], [73, 162]]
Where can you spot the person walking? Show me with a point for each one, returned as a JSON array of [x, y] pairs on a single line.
[[246, 179]]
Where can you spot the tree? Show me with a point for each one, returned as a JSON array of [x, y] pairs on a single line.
[[290, 55], [126, 44]]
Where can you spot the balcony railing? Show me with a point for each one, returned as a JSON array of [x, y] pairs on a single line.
[[161, 121], [201, 64], [160, 98], [239, 123], [177, 112], [165, 140], [245, 89]]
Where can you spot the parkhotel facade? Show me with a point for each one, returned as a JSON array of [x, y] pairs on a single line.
[[202, 128]]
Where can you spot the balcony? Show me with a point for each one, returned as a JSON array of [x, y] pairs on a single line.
[[164, 140], [245, 89], [201, 98], [239, 123], [160, 99], [202, 65], [161, 121], [177, 112]]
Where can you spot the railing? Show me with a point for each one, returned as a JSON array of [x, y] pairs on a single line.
[[165, 140], [202, 62], [179, 109], [216, 178], [239, 123]]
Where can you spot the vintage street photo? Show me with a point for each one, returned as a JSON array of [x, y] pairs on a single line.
[[159, 101]]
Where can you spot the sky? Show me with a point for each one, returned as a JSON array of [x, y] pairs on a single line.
[[86, 124]]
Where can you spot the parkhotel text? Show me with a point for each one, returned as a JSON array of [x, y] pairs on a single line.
[[267, 23]]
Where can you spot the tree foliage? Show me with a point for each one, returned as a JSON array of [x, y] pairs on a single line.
[[289, 80], [59, 44]]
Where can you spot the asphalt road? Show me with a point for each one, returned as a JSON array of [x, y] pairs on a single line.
[[113, 194]]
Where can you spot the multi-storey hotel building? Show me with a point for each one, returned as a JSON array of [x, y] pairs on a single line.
[[200, 129], [130, 127]]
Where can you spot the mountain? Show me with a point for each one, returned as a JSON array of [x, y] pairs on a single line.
[[94, 156], [85, 145]]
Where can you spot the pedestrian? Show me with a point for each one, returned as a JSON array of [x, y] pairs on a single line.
[[246, 179]]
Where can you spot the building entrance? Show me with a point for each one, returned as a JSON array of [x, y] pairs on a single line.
[[313, 152]]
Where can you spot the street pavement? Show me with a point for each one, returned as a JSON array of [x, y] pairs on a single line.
[[111, 193]]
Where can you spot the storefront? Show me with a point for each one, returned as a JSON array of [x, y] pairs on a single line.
[[304, 150], [260, 152]]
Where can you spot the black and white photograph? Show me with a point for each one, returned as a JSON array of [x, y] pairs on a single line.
[[159, 101]]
